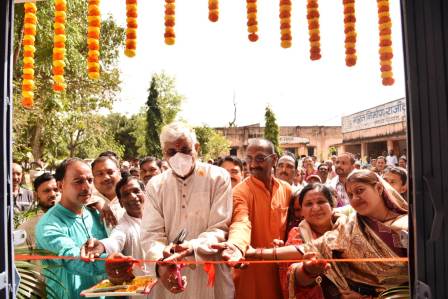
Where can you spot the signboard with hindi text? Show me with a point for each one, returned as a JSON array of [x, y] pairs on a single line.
[[389, 113]]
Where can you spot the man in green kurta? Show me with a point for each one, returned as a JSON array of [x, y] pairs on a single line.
[[66, 227]]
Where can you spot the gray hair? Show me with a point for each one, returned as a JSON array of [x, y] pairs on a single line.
[[176, 130]]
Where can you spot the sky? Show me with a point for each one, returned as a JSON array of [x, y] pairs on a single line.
[[215, 64]]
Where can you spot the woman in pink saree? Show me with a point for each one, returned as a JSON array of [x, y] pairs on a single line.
[[378, 229]]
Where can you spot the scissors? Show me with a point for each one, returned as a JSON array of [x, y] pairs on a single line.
[[180, 238]]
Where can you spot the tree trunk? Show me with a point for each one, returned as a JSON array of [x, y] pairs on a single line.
[[36, 144]]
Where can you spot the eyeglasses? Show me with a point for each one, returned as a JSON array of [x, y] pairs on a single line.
[[172, 151], [258, 158]]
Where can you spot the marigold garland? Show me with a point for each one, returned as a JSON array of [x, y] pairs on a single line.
[[213, 10], [252, 23], [285, 23], [131, 29], [60, 7], [170, 21], [93, 39], [350, 32], [385, 51], [29, 36], [312, 8]]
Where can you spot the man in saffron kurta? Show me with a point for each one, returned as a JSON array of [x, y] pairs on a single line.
[[259, 216]]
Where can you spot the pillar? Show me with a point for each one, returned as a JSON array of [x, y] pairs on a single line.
[[364, 153]]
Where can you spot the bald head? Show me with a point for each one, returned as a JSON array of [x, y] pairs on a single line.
[[265, 144]]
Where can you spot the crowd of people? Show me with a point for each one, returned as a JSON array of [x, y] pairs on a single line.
[[265, 207]]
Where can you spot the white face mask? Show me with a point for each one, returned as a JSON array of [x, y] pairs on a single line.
[[181, 164]]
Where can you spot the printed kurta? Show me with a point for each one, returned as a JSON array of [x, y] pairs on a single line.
[[258, 218], [201, 204], [63, 232]]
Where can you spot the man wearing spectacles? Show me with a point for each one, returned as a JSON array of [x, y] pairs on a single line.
[[260, 207], [191, 196]]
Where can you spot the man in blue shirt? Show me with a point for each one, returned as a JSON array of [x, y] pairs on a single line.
[[66, 227]]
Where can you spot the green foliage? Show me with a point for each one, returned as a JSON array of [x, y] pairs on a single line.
[[213, 144], [154, 121], [271, 129], [162, 106], [123, 129], [67, 124], [332, 150]]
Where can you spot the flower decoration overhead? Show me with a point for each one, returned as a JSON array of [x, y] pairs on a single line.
[[170, 22], [213, 10], [60, 16], [312, 8], [285, 23], [350, 32], [29, 37], [385, 51], [93, 39], [252, 23], [131, 28]]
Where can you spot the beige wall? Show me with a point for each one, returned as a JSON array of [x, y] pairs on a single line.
[[320, 137]]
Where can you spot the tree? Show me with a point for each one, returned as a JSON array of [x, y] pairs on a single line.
[[213, 144], [65, 124], [163, 104], [154, 121], [123, 129], [271, 130]]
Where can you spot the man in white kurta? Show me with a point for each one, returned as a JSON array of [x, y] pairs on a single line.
[[194, 196]]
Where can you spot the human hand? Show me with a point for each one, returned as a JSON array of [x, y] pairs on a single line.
[[174, 252], [169, 276], [312, 265], [278, 243], [108, 216], [91, 249], [230, 253], [119, 268]]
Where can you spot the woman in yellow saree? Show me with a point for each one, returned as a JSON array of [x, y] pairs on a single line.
[[378, 229]]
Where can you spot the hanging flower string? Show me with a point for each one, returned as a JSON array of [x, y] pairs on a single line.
[[170, 22], [350, 32], [313, 28], [213, 10], [386, 53], [93, 39], [59, 45], [252, 23], [285, 23], [131, 28], [29, 37]]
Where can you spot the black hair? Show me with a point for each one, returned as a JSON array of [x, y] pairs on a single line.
[[126, 177], [398, 171], [108, 154], [62, 168], [150, 159], [45, 177], [319, 188], [103, 159], [234, 159]]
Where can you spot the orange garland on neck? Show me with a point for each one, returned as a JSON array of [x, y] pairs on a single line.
[[93, 39], [29, 37], [285, 23], [59, 45], [131, 28], [213, 10], [170, 22], [313, 28], [350, 32], [252, 23], [386, 53]]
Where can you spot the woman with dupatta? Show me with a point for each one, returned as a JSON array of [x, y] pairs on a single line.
[[378, 229]]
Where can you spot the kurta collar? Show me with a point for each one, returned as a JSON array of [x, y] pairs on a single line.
[[260, 184], [67, 213]]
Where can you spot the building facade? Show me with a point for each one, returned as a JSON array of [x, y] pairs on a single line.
[[375, 131], [300, 140]]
